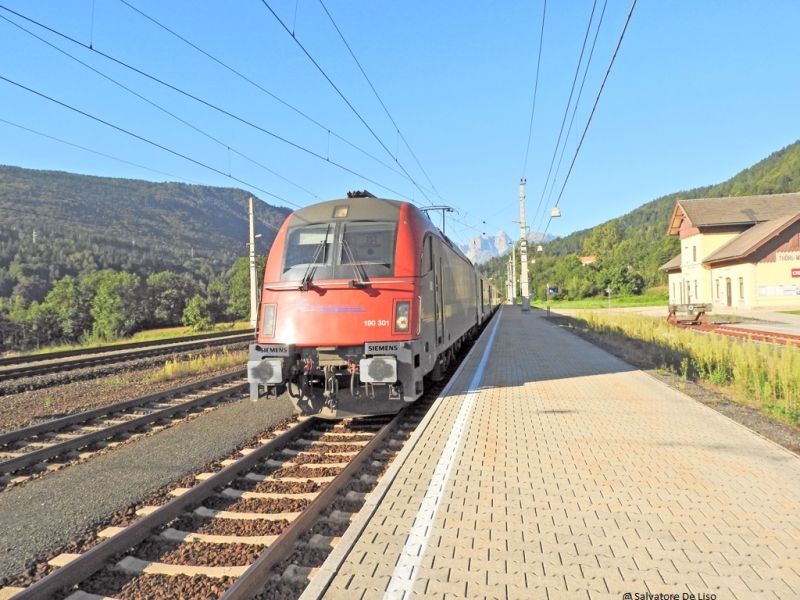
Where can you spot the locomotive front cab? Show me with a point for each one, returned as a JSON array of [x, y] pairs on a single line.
[[339, 311]]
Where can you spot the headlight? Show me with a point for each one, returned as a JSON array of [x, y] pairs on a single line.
[[268, 322], [402, 316]]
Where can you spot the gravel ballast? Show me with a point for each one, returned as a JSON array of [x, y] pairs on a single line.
[[69, 396], [49, 512]]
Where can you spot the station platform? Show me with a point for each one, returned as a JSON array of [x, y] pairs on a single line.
[[550, 469]]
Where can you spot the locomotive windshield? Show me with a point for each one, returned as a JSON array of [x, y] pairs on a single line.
[[340, 250]]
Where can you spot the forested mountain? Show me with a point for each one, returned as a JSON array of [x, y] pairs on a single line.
[[54, 224], [98, 258], [633, 246]]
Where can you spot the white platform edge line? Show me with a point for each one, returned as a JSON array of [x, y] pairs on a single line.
[[319, 584], [407, 568]]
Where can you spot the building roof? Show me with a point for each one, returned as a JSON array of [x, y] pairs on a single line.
[[587, 260], [748, 241], [742, 210], [672, 265]]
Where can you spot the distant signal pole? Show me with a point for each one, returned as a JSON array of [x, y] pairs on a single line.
[[523, 249], [253, 277]]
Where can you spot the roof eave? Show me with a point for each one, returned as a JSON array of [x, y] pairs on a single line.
[[675, 220]]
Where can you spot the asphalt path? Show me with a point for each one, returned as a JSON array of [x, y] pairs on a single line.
[[46, 513]]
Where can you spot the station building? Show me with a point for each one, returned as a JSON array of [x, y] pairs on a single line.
[[739, 252]]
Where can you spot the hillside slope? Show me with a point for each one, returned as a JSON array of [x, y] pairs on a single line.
[[647, 225], [55, 224]]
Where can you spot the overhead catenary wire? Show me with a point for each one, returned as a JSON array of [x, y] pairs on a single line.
[[343, 97], [575, 108], [162, 109], [535, 89], [388, 114], [566, 110], [147, 141], [594, 107], [374, 91], [103, 154], [261, 88], [206, 103]]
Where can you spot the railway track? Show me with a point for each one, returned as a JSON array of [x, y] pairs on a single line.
[[260, 527], [283, 503], [29, 366], [732, 331], [52, 444]]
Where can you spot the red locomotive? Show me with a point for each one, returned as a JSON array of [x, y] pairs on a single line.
[[362, 298]]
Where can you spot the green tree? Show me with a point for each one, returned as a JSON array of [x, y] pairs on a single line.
[[239, 291], [42, 325], [196, 315], [217, 299], [603, 239], [169, 293], [119, 307], [72, 302]]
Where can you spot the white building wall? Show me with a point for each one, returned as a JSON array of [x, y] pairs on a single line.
[[696, 281]]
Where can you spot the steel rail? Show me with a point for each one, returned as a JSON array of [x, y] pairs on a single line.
[[56, 424], [32, 358], [40, 368], [109, 356], [94, 559], [253, 580], [37, 456]]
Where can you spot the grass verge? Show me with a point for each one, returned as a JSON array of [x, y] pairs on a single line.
[[194, 364], [757, 375], [147, 336], [647, 299]]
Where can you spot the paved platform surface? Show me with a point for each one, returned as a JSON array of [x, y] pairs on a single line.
[[576, 476]]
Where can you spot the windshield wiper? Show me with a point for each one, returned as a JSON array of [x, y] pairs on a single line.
[[361, 273], [312, 266]]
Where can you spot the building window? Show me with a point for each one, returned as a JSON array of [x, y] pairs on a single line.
[[741, 288], [718, 288], [696, 295], [688, 291], [694, 256]]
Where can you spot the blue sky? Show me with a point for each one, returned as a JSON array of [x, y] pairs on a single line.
[[699, 91]]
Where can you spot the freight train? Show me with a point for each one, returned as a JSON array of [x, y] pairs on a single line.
[[363, 300]]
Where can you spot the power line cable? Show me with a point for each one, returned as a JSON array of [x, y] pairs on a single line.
[[566, 112], [566, 109], [374, 91], [594, 107], [261, 88], [122, 160], [147, 141], [343, 97], [535, 88], [162, 109], [205, 103], [575, 108]]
